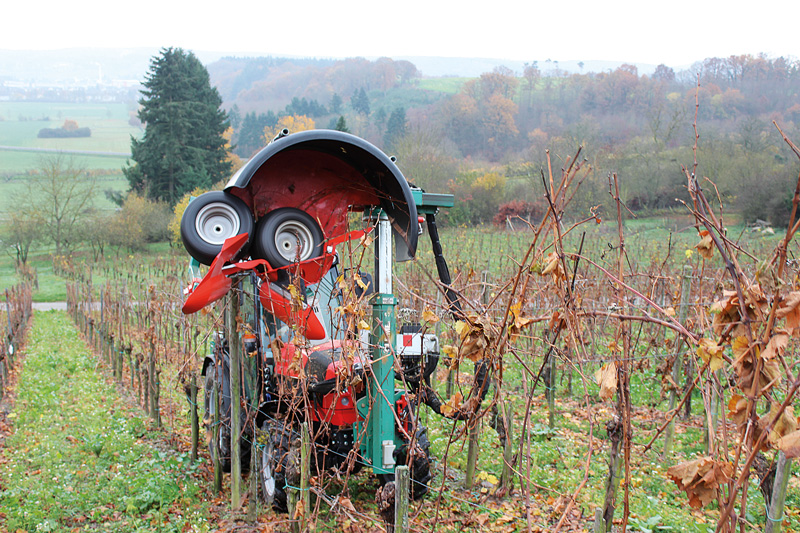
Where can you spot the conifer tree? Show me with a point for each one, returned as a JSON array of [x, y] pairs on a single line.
[[395, 127], [183, 145], [341, 125]]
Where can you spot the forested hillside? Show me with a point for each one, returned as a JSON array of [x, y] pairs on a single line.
[[485, 138]]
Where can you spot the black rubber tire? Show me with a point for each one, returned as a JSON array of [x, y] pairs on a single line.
[[280, 456], [277, 235], [211, 218], [224, 428], [208, 418], [419, 466]]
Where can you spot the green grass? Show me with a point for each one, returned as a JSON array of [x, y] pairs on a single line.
[[80, 457], [14, 164], [450, 85], [114, 180], [52, 288], [35, 111], [20, 123]]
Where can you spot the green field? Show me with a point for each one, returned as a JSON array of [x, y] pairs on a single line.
[[20, 123], [445, 85]]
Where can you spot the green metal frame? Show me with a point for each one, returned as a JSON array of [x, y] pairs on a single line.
[[378, 407]]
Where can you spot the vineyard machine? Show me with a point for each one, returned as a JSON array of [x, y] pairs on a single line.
[[318, 328]]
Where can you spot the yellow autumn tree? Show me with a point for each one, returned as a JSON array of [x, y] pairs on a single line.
[[177, 214], [235, 161], [293, 123]]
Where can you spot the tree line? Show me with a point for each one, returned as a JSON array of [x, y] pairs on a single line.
[[485, 142], [640, 126]]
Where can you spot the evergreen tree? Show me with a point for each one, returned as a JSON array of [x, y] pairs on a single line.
[[380, 118], [360, 102], [183, 145], [336, 103], [251, 135], [341, 125], [235, 117], [395, 127]]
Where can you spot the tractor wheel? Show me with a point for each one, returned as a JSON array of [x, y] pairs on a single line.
[[419, 465], [280, 463], [224, 443], [286, 236], [211, 218]]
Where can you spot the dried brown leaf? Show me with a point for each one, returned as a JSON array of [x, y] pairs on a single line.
[[452, 405], [737, 409], [711, 352], [553, 266], [706, 245], [776, 345], [790, 310], [785, 424], [700, 479], [429, 316], [606, 377], [789, 444]]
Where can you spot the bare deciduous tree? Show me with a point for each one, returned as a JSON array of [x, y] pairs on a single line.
[[56, 198]]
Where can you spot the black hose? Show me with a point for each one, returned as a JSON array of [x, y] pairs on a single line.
[[480, 385], [453, 302]]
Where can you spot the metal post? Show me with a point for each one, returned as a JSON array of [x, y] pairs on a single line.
[[382, 338], [775, 516]]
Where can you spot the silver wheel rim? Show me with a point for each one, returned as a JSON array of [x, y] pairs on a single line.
[[216, 222], [294, 241], [266, 473]]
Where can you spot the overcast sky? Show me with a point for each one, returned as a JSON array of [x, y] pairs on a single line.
[[676, 33]]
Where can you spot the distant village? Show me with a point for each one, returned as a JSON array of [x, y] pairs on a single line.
[[79, 91]]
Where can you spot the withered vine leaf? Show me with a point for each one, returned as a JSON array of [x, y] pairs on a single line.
[[776, 345], [727, 315], [700, 479], [706, 245], [744, 365], [474, 334], [519, 320], [452, 405], [790, 310], [790, 444], [711, 352], [556, 321], [552, 265], [606, 377], [785, 424], [429, 316], [737, 409]]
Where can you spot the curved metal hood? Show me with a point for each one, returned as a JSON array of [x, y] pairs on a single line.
[[335, 164]]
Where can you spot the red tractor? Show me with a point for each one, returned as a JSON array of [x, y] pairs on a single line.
[[294, 231]]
